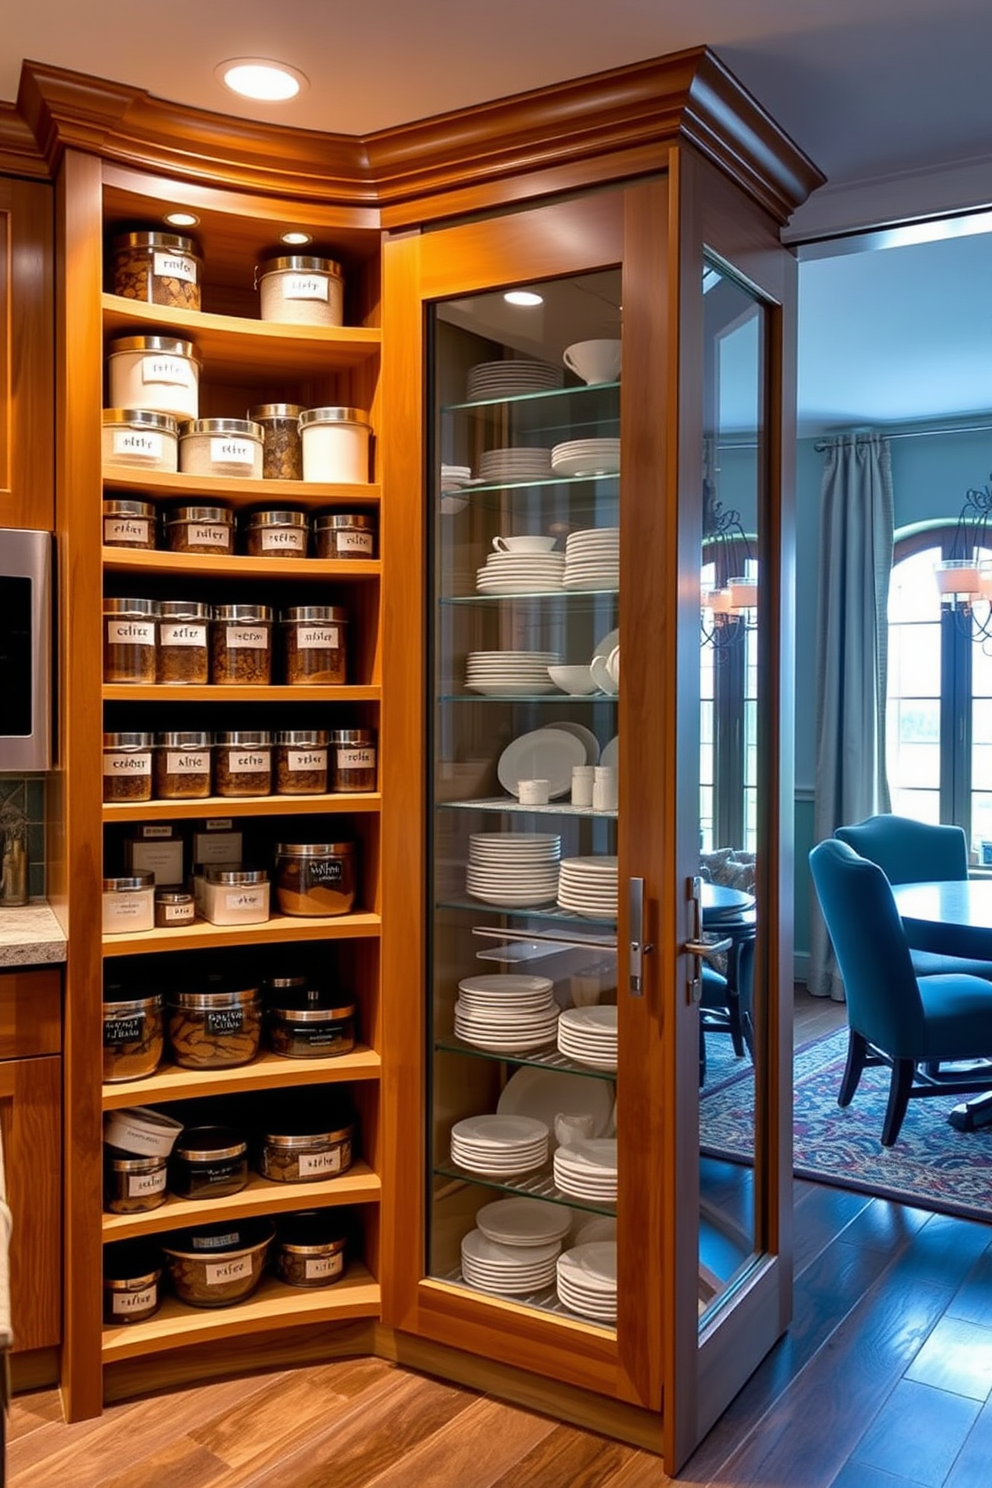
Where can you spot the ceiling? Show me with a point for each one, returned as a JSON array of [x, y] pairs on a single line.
[[890, 99]]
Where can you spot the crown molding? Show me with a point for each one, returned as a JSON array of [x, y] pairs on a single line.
[[19, 153]]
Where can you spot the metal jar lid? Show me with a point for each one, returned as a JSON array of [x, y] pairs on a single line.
[[127, 508], [243, 614], [209, 1144], [300, 263], [314, 849], [303, 738], [142, 418], [172, 241], [334, 416], [138, 608], [173, 896], [286, 983], [233, 1238], [240, 428], [126, 1004], [335, 522], [127, 741], [183, 609], [183, 739], [244, 739], [167, 344], [277, 519], [125, 1162], [294, 1141], [335, 614], [363, 737], [311, 1232], [235, 878], [219, 514], [217, 997], [129, 883], [311, 1006], [266, 411]]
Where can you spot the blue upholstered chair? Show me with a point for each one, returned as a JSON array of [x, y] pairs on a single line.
[[725, 1005], [912, 1024], [909, 851]]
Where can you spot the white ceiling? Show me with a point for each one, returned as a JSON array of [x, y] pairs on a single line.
[[890, 98]]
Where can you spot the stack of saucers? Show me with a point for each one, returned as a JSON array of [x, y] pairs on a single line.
[[587, 1169], [589, 1036], [506, 1013], [523, 1222], [521, 573], [587, 1280], [507, 379], [510, 673], [508, 1269], [588, 886], [516, 463], [453, 477], [586, 457], [499, 1146], [517, 869], [592, 559]]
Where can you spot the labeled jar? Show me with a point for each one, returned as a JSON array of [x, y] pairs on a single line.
[[199, 529], [129, 640], [277, 534], [315, 878], [344, 536], [243, 763], [159, 373], [308, 1023], [157, 268], [310, 1248], [305, 1151], [217, 1265], [313, 644], [209, 1162], [301, 290], [141, 439], [235, 896], [127, 767], [353, 765], [221, 446], [131, 1276], [183, 635], [301, 762], [132, 1185], [241, 644], [282, 448], [181, 765], [128, 903], [336, 445], [215, 1028], [128, 524], [133, 1034], [174, 908]]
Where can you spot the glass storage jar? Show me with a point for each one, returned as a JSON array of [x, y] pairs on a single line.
[[301, 289], [301, 762], [127, 767], [221, 446], [181, 765], [216, 1027], [160, 373], [315, 878], [310, 1248], [344, 536], [308, 1023], [277, 534], [302, 1149], [131, 1276], [199, 529], [218, 1265], [128, 523], [183, 632], [336, 445], [314, 644], [133, 1034], [241, 645], [157, 268], [141, 439], [173, 909], [243, 763], [128, 903], [208, 1162], [129, 640], [235, 896], [282, 448], [352, 760], [131, 1184]]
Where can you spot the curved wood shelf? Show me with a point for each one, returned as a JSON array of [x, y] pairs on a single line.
[[340, 802], [319, 570], [267, 1072], [203, 936], [164, 484], [273, 693]]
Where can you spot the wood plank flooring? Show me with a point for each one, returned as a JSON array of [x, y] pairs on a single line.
[[884, 1380]]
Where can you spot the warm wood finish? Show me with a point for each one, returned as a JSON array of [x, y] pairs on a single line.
[[161, 483], [341, 802], [273, 695], [27, 363], [267, 1072], [30, 1013], [276, 930], [317, 570], [31, 1122]]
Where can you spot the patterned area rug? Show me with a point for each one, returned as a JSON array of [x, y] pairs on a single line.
[[931, 1165]]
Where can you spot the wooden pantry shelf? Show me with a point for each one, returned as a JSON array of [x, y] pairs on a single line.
[[140, 560], [272, 692], [203, 936], [233, 491], [348, 802], [267, 1072], [274, 1305]]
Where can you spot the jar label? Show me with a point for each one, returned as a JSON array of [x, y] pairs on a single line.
[[137, 442], [355, 542], [359, 757], [131, 632], [146, 1183], [321, 1266], [227, 451], [127, 906], [170, 369], [253, 638], [323, 871], [313, 1164], [215, 1242], [318, 637], [225, 1271], [178, 914], [124, 1302], [306, 759], [283, 540], [130, 1030], [237, 899], [248, 761], [208, 535], [305, 287], [224, 1020], [127, 529], [187, 762], [127, 764], [170, 266], [183, 633]]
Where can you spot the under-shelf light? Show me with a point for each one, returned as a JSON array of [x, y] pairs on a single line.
[[295, 239], [523, 297], [181, 219]]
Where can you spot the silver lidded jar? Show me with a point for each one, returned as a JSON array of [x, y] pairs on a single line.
[[315, 878]]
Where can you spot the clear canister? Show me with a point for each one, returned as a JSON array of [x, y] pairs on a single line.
[[353, 760], [302, 1151], [181, 766], [133, 1034], [128, 903], [282, 448], [311, 1248], [235, 896], [308, 1023], [128, 524], [336, 445], [277, 534], [183, 636], [157, 268], [315, 878], [243, 763], [127, 767], [160, 373], [301, 762], [200, 529], [217, 1027], [208, 1162], [132, 1184], [141, 439], [221, 446], [174, 908], [241, 644], [344, 535], [302, 290], [130, 632], [313, 643]]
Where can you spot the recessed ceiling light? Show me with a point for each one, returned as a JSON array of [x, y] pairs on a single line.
[[523, 297], [295, 239], [255, 77], [181, 219]]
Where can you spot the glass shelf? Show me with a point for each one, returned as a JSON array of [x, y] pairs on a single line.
[[574, 596], [539, 1059], [528, 697], [572, 404], [548, 483], [544, 1300], [509, 805], [539, 1185], [549, 913]]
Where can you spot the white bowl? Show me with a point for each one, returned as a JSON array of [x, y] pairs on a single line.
[[576, 680]]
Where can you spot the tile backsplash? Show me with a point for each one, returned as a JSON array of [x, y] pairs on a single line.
[[22, 803]]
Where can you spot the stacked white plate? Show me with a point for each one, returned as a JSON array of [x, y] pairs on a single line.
[[515, 463], [514, 869], [587, 1280], [588, 886], [506, 1013], [586, 457], [589, 1035], [520, 573], [587, 1169], [592, 559], [499, 1146], [523, 1222], [510, 673], [507, 379], [509, 1269], [542, 754], [604, 666], [453, 477]]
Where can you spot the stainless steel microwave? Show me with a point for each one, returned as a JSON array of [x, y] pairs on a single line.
[[25, 649]]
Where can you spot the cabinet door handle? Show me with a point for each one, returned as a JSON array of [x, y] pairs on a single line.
[[637, 947]]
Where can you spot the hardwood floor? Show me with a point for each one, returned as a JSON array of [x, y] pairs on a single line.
[[884, 1380]]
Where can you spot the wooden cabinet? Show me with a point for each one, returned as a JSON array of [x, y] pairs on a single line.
[[27, 365]]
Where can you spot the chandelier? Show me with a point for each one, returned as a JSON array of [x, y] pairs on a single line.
[[964, 580], [729, 608]]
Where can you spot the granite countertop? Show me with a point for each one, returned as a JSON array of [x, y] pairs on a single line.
[[30, 936]]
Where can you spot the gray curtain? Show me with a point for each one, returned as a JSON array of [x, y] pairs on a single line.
[[855, 560]]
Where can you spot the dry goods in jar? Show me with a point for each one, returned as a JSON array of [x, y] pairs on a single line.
[[304, 1148], [131, 1275], [182, 765], [243, 763], [127, 767], [314, 644], [173, 909], [307, 1022], [133, 1033], [132, 1185], [200, 529], [215, 1027], [315, 878], [130, 630], [282, 448], [215, 1265], [209, 1162], [310, 1248], [157, 268], [277, 534], [235, 896], [160, 373], [128, 903], [301, 289], [128, 523], [344, 535], [336, 445], [353, 759], [301, 762], [140, 438], [183, 630], [241, 644], [221, 446]]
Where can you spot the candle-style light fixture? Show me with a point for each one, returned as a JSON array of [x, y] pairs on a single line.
[[964, 579], [729, 609]]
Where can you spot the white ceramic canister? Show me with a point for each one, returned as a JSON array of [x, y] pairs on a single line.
[[302, 290], [335, 445], [159, 373], [140, 439], [221, 446]]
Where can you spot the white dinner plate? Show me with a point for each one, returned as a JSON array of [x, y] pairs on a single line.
[[544, 1094], [542, 754], [523, 1222], [611, 752], [586, 735]]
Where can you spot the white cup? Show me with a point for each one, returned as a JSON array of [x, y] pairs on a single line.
[[604, 788], [573, 1127], [525, 544], [593, 361], [582, 784], [533, 792]]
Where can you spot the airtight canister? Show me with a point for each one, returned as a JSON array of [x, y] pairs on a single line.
[[141, 439], [302, 290], [221, 446], [336, 445], [159, 373]]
